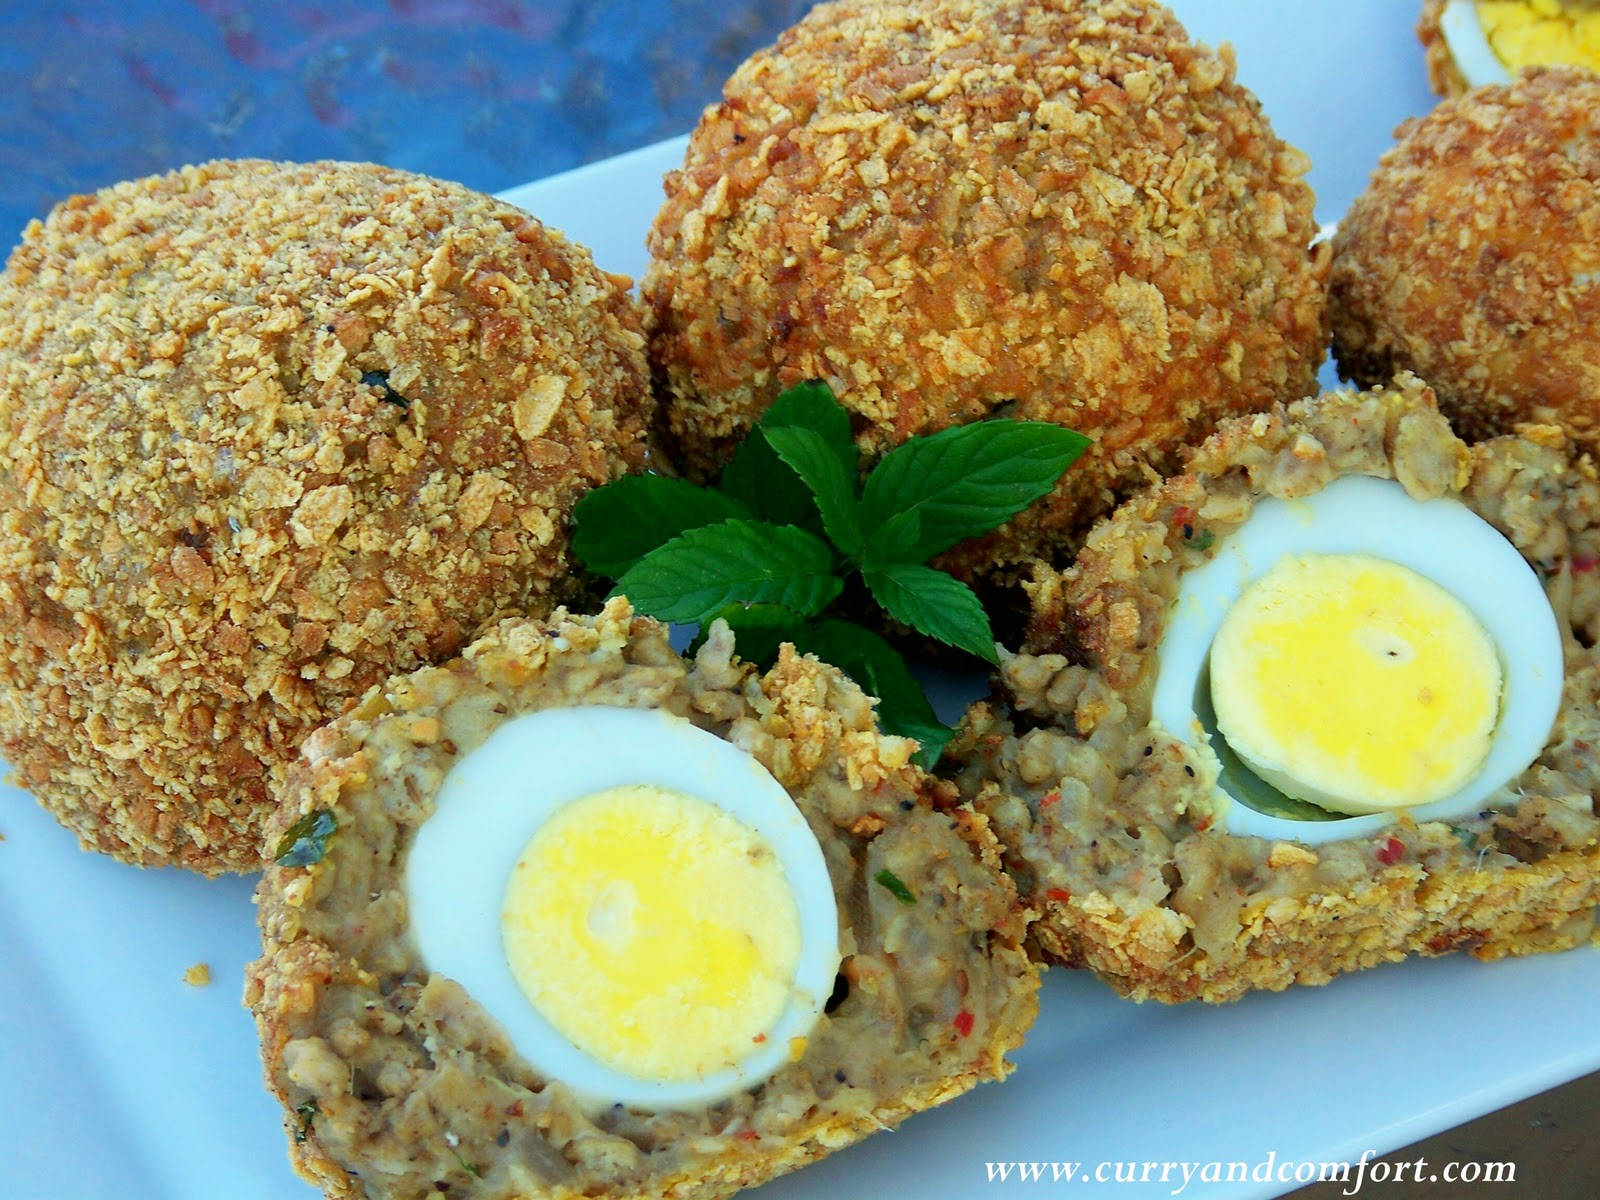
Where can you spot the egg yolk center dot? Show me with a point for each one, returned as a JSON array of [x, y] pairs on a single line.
[[1355, 684], [1526, 33], [654, 931]]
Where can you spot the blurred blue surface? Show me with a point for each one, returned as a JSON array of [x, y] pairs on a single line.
[[488, 92]]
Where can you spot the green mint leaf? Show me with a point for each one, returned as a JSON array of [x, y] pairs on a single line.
[[758, 629], [967, 480], [701, 572], [306, 841], [812, 406], [768, 486], [877, 667], [757, 478], [894, 540], [895, 886], [809, 456], [618, 524], [933, 603]]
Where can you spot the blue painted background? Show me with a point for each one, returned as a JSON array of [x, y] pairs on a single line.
[[488, 92]]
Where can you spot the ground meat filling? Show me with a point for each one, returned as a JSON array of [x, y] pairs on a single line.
[[1105, 819], [398, 1084]]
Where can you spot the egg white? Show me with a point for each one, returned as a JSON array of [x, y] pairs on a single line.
[[1441, 539], [1469, 46], [500, 794]]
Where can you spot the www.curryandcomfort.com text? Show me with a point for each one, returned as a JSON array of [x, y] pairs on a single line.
[[1180, 1176]]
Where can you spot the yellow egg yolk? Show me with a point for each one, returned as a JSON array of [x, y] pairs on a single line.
[[1355, 684], [654, 931], [1524, 33]]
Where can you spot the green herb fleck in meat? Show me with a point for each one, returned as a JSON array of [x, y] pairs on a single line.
[[306, 840], [307, 1112], [896, 888]]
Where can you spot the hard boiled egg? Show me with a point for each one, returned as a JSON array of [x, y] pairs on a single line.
[[1492, 40], [636, 901], [1355, 683], [1359, 652]]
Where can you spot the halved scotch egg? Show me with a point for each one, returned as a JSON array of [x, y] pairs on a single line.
[[1470, 43], [572, 916], [1326, 699]]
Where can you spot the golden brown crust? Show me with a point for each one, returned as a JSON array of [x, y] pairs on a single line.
[[393, 1078], [1111, 826], [948, 208], [269, 432], [1473, 258], [1444, 77]]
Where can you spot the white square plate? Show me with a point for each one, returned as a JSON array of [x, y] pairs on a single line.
[[121, 1081]]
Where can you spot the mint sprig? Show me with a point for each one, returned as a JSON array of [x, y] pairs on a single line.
[[770, 547]]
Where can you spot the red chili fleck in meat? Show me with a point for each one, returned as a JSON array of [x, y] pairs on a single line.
[[1058, 894], [1390, 852], [963, 1023], [1584, 562], [1183, 515], [1050, 798], [747, 1135]]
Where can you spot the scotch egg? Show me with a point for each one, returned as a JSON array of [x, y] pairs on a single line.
[[1473, 258], [1326, 699], [570, 915], [1490, 41]]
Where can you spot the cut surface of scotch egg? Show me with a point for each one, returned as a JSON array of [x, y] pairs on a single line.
[[637, 902], [1359, 652], [1492, 40], [1355, 684]]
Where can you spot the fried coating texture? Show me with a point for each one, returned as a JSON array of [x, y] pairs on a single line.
[[954, 209], [1111, 827], [1473, 258], [1444, 77], [268, 433], [396, 1084]]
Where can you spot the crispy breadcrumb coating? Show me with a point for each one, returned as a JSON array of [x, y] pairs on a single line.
[[1473, 258], [1110, 824], [951, 209], [268, 433], [391, 1075], [1444, 77]]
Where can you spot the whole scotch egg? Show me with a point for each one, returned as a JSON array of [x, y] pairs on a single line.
[[1324, 700], [1473, 258], [953, 209], [572, 916], [269, 433]]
